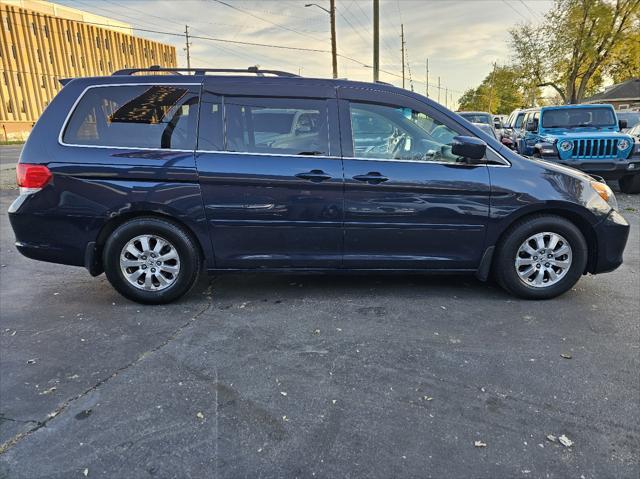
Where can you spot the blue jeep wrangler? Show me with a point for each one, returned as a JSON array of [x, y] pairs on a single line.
[[586, 137]]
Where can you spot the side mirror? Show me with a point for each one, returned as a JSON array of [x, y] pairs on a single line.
[[468, 147], [497, 125], [531, 125], [622, 124]]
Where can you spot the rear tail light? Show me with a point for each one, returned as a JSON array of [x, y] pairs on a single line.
[[32, 178]]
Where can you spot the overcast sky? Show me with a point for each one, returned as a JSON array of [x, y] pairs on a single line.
[[461, 38]]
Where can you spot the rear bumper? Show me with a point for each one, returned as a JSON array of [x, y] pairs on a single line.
[[612, 169], [53, 238], [611, 236]]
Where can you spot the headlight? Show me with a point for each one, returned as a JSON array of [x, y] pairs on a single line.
[[623, 144], [605, 193], [566, 146]]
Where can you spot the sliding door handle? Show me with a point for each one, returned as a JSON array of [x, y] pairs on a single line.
[[371, 177], [314, 175]]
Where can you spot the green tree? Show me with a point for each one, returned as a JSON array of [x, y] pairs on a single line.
[[580, 41], [500, 92]]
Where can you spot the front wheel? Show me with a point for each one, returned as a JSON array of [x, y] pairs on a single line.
[[151, 260], [541, 257], [630, 184]]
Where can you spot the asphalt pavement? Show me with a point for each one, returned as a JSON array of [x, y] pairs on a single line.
[[317, 376], [9, 155]]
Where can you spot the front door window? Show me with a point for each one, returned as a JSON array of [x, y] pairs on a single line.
[[396, 133]]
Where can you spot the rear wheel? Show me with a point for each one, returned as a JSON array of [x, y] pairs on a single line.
[[630, 184], [541, 257], [151, 260]]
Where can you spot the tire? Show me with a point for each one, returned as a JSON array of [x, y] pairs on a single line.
[[534, 280], [630, 184], [145, 245]]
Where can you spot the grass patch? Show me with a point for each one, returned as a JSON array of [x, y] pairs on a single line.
[[12, 142]]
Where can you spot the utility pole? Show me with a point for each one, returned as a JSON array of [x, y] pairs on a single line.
[[427, 79], [334, 47], [446, 97], [186, 36], [402, 50], [376, 40], [438, 89], [493, 74]]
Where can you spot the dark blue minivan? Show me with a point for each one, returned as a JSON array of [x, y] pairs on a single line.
[[154, 175]]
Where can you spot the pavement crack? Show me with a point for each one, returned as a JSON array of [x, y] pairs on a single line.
[[5, 446]]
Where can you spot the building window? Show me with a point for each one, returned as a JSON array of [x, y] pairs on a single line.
[[101, 66], [124, 48], [24, 107], [110, 68], [82, 62], [131, 48], [10, 106], [68, 36], [34, 29], [7, 24], [18, 79], [106, 43], [6, 78], [79, 37], [46, 31], [44, 81], [50, 57], [73, 61], [39, 55], [14, 52], [97, 42]]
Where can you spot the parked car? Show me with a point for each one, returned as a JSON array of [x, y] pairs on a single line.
[[586, 137], [512, 128], [631, 119], [635, 132], [484, 117], [153, 177], [488, 129]]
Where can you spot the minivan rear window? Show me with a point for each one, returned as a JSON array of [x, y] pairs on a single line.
[[135, 116]]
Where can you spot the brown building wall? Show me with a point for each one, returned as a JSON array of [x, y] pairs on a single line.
[[38, 49]]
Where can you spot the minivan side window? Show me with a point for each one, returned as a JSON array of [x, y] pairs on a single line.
[[396, 133], [277, 126], [135, 116]]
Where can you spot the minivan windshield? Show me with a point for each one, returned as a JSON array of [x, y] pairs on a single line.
[[578, 117]]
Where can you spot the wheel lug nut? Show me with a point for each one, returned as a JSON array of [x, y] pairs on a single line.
[[153, 255], [550, 256], [538, 266], [159, 263], [144, 266], [547, 265], [153, 270], [143, 257], [535, 258]]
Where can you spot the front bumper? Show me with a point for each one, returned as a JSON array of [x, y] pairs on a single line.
[[609, 169], [611, 237]]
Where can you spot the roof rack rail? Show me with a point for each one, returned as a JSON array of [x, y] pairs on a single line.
[[201, 71]]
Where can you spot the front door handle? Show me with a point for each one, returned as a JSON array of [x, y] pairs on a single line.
[[372, 177], [314, 175]]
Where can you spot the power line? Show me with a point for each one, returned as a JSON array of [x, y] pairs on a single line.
[[514, 9], [283, 27], [226, 41]]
